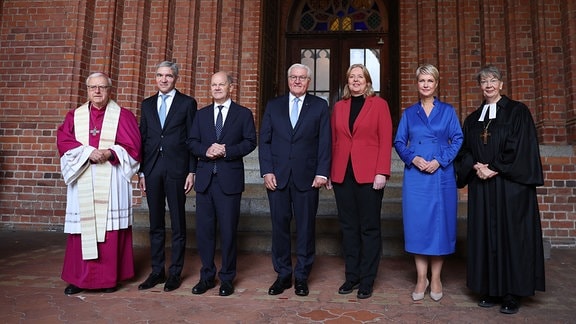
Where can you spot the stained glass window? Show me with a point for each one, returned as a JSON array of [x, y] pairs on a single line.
[[341, 15]]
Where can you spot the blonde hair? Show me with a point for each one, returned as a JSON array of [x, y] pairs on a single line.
[[369, 90], [428, 69]]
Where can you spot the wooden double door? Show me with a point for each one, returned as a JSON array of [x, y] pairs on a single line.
[[331, 55]]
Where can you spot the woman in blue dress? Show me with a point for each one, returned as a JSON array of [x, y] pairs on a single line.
[[428, 139]]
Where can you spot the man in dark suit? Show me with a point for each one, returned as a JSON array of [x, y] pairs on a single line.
[[167, 171], [294, 153], [222, 134]]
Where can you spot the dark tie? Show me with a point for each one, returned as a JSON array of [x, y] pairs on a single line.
[[218, 127], [162, 111], [219, 122]]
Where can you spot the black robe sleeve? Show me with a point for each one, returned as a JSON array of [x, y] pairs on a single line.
[[519, 159]]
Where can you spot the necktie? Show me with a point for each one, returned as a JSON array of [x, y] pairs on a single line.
[[219, 122], [294, 112], [218, 127], [162, 111]]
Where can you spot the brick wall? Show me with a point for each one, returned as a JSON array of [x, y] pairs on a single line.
[[533, 42], [48, 48]]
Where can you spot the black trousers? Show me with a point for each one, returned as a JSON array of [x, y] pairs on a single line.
[[217, 210], [161, 188], [303, 206], [359, 208]]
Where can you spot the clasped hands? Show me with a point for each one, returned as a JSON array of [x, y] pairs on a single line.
[[99, 156], [483, 172], [426, 166], [216, 151]]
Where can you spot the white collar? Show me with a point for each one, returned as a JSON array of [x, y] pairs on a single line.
[[492, 113]]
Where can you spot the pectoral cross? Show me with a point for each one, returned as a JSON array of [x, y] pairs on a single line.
[[96, 131], [485, 136]]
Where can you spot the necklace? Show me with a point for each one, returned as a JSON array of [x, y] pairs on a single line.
[[95, 131], [485, 133]]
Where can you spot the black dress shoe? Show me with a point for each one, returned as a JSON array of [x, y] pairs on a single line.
[[172, 283], [301, 287], [152, 280], [226, 288], [510, 305], [279, 286], [348, 287], [110, 290], [202, 286], [71, 290], [488, 301], [364, 291]]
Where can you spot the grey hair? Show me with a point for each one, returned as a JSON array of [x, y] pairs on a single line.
[[97, 75], [488, 71], [301, 66], [173, 66]]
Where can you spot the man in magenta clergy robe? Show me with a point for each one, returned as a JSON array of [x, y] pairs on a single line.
[[99, 147]]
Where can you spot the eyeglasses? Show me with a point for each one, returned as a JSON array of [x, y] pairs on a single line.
[[100, 88], [487, 82], [302, 78]]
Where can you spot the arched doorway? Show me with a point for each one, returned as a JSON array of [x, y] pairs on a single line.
[[330, 35]]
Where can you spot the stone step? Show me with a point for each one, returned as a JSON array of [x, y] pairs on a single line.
[[254, 228]]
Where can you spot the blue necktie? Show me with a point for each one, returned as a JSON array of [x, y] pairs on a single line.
[[162, 111], [294, 112]]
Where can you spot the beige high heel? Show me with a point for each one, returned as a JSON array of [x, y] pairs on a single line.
[[416, 296], [436, 296]]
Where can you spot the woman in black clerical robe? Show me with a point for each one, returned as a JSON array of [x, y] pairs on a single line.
[[500, 162]]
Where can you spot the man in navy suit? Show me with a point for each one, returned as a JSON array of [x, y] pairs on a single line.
[[222, 134], [167, 171], [294, 153]]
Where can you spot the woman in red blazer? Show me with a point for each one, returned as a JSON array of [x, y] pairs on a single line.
[[361, 154]]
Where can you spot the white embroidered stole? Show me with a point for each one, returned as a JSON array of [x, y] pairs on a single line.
[[94, 190]]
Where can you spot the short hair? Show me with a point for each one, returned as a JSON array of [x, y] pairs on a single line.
[[428, 69], [301, 66], [97, 75], [173, 66], [369, 89], [229, 78], [488, 71]]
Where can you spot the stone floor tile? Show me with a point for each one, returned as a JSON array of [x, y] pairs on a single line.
[[31, 291]]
